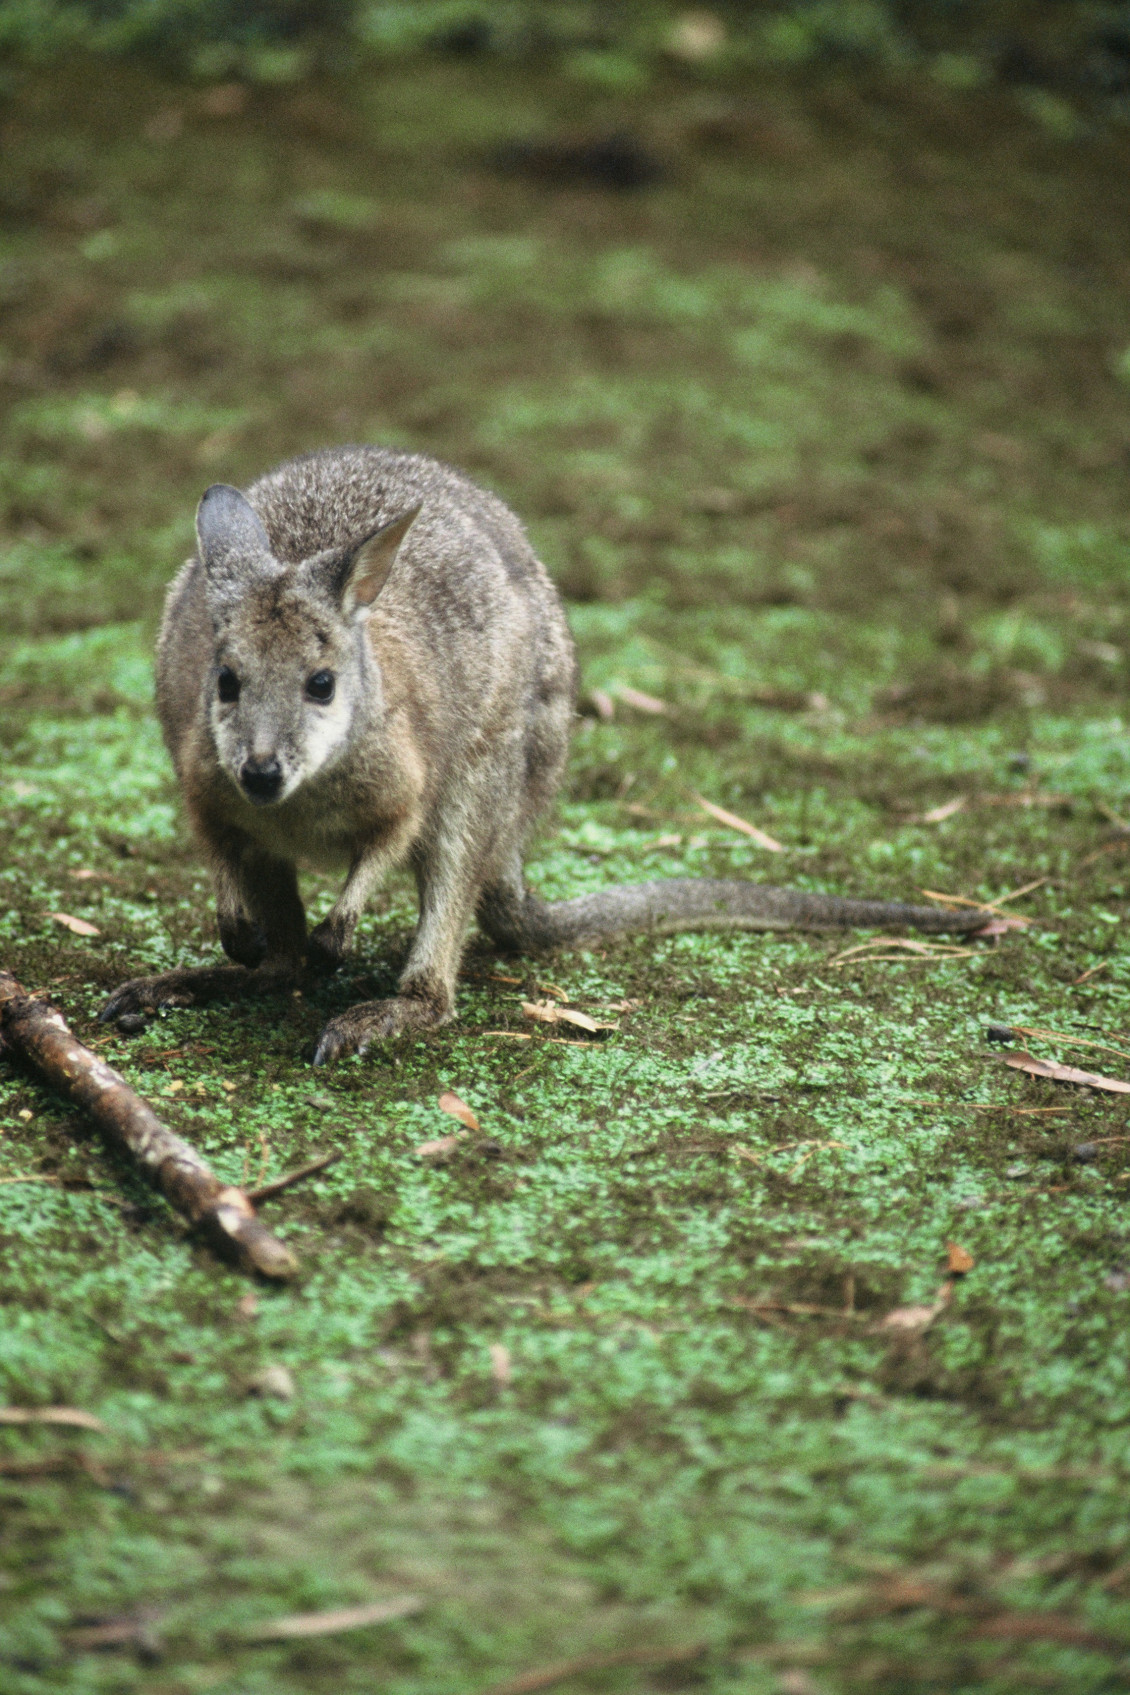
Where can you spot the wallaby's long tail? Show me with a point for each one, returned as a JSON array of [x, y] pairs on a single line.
[[529, 925]]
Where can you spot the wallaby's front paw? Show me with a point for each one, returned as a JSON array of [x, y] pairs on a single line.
[[146, 994], [352, 1031], [243, 940], [327, 945]]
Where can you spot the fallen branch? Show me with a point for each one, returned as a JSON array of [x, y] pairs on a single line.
[[37, 1032], [277, 1184]]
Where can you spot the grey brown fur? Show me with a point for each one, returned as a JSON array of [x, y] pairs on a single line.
[[453, 680]]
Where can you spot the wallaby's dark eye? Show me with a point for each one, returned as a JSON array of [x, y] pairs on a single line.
[[227, 685], [320, 686]]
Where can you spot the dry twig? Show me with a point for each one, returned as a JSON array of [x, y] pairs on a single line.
[[733, 822], [38, 1033], [73, 1417], [265, 1191], [528, 1683], [299, 1626]]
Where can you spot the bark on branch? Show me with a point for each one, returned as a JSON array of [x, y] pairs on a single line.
[[37, 1032]]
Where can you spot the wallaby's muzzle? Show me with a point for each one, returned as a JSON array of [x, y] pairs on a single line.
[[261, 780]]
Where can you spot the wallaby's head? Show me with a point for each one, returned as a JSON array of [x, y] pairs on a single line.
[[291, 667]]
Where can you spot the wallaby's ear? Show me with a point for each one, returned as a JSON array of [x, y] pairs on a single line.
[[367, 568], [230, 536]]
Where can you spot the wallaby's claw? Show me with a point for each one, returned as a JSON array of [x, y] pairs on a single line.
[[353, 1030]]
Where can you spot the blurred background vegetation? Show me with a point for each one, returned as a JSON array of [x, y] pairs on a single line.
[[1066, 57]]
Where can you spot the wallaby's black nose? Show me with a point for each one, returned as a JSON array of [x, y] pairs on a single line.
[[261, 779]]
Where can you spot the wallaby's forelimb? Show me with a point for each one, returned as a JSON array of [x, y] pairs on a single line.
[[259, 911], [331, 940], [445, 879], [520, 922]]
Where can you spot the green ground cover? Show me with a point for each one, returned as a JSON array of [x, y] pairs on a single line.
[[825, 437]]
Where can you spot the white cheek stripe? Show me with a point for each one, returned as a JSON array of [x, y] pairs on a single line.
[[324, 729]]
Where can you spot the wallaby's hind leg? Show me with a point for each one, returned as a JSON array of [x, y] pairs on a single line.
[[262, 924], [447, 876], [511, 914]]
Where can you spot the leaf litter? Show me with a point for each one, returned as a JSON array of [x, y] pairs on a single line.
[[77, 926], [547, 1012], [865, 952], [450, 1102], [1065, 1073]]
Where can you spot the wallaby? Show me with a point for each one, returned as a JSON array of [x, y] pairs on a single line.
[[365, 664]]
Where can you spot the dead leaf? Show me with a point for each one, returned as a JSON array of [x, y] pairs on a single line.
[[451, 1103], [643, 702], [77, 926], [939, 814], [442, 1148], [910, 1319], [958, 1260], [1065, 1073], [547, 1013], [274, 1382], [72, 1416], [733, 822], [299, 1625], [999, 927], [500, 1366]]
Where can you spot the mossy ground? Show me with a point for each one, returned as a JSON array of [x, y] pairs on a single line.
[[826, 438]]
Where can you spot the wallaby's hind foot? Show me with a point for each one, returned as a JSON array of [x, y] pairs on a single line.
[[191, 987], [354, 1030]]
